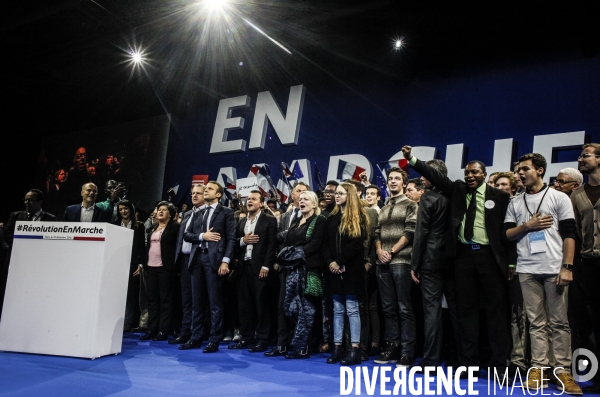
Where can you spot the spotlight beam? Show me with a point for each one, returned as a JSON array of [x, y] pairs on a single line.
[[267, 36]]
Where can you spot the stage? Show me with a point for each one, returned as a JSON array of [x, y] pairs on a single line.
[[159, 369]]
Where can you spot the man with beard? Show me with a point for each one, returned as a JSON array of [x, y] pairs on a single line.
[[585, 200]]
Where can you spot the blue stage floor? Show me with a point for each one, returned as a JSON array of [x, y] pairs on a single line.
[[159, 369]]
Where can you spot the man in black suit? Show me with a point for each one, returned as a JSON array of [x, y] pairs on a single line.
[[212, 235], [87, 211], [182, 261], [474, 239], [33, 212], [429, 267], [255, 249]]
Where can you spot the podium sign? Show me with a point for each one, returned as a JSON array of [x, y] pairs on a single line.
[[66, 289]]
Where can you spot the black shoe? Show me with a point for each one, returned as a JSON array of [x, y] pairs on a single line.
[[212, 347], [243, 344], [180, 340], [298, 353], [161, 336], [276, 351], [364, 356], [374, 351], [405, 362], [139, 329], [148, 335], [258, 348], [353, 357], [191, 344], [389, 356], [336, 356]]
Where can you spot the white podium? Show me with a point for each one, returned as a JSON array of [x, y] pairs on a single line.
[[66, 289]]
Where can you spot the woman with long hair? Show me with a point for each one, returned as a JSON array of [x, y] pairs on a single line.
[[305, 232], [159, 270], [345, 232], [125, 218]]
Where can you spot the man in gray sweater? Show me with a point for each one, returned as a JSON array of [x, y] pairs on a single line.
[[393, 241]]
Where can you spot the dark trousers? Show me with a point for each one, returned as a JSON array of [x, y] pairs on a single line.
[[590, 271], [185, 279], [206, 281], [159, 291], [395, 283], [253, 304], [132, 305], [285, 325], [478, 277]]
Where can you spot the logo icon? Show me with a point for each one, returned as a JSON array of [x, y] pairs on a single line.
[[584, 365]]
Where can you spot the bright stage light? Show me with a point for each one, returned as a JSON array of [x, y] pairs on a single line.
[[215, 5], [398, 44], [136, 57]]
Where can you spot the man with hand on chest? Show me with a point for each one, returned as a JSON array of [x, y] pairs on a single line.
[[256, 239], [542, 222]]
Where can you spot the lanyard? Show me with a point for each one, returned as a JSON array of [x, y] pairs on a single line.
[[541, 201]]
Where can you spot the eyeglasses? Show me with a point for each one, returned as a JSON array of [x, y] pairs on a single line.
[[28, 200], [328, 191], [339, 194], [586, 155], [562, 182]]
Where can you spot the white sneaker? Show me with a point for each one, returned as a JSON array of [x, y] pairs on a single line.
[[237, 336]]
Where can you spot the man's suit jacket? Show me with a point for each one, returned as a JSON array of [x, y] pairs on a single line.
[[429, 243], [21, 216], [263, 252], [184, 221], [73, 214], [284, 225], [456, 191], [221, 222]]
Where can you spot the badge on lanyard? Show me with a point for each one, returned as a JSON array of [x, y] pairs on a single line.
[[537, 242]]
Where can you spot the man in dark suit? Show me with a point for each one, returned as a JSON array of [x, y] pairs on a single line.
[[474, 239], [212, 235], [255, 249], [429, 267], [182, 261], [33, 212], [87, 211]]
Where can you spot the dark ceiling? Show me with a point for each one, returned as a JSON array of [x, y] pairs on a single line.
[[65, 64]]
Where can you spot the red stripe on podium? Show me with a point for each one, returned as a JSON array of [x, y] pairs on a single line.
[[89, 238]]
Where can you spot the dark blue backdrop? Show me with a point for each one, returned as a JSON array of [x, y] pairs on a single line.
[[375, 115]]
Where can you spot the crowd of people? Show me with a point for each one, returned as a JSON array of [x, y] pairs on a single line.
[[495, 273]]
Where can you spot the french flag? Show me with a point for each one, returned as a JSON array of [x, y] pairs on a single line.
[[263, 177], [348, 170], [283, 189], [230, 187], [402, 163]]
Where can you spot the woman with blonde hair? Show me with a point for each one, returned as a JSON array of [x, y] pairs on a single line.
[[307, 233], [345, 231]]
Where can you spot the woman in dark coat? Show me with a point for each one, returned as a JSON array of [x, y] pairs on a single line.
[[125, 218], [306, 232], [159, 270], [343, 253]]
